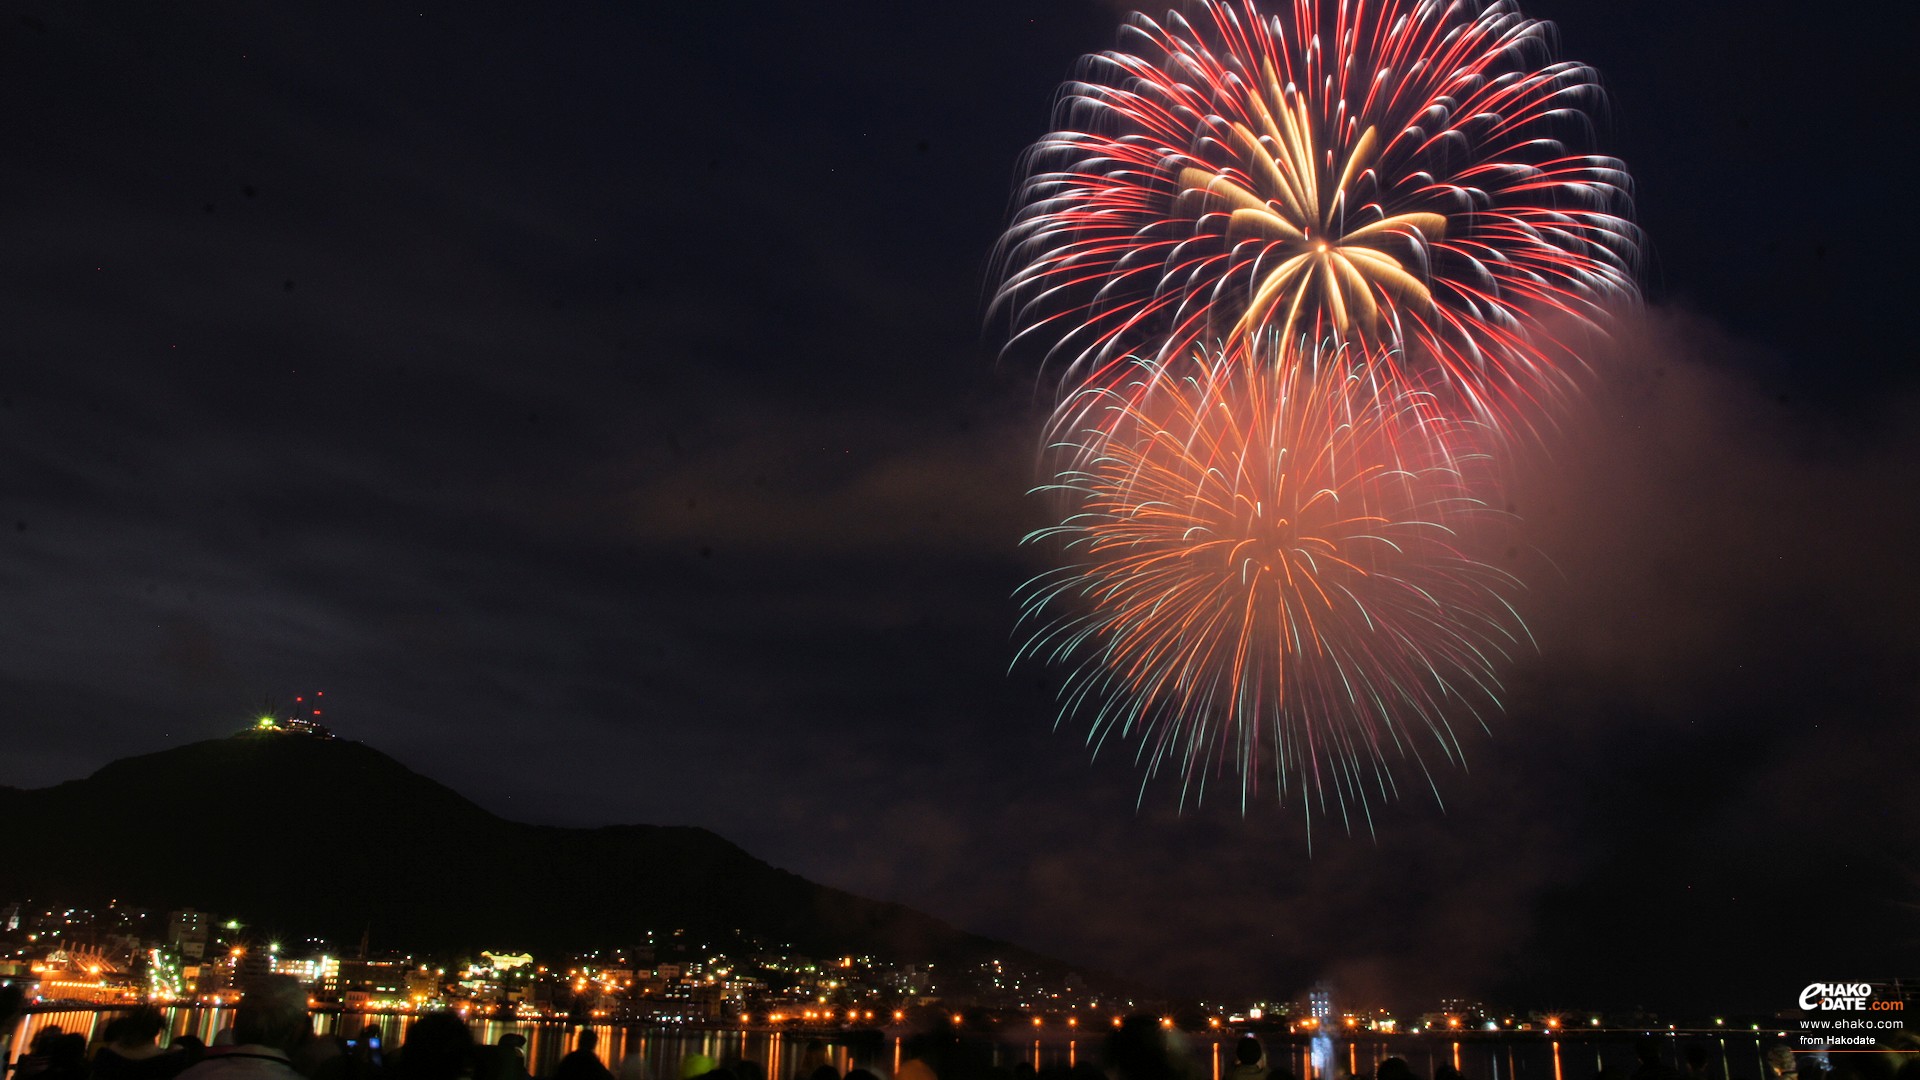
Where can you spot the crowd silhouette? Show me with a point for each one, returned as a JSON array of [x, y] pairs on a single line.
[[272, 1038]]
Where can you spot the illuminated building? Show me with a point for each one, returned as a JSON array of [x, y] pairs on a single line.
[[1455, 1013], [358, 983], [187, 931], [79, 975], [315, 973], [705, 999]]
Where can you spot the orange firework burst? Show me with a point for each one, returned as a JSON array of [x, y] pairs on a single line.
[[1269, 572]]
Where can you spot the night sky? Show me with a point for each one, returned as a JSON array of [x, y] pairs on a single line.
[[596, 401]]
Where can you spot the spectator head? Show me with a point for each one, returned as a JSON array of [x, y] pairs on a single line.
[[12, 1000], [1247, 1051], [139, 1028], [1394, 1068], [495, 1062], [1138, 1050], [191, 1046], [438, 1047], [589, 1039], [70, 1053], [274, 1013]]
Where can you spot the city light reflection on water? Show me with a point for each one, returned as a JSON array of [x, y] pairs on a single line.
[[785, 1054]]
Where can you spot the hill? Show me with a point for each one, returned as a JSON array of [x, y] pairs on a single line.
[[315, 836]]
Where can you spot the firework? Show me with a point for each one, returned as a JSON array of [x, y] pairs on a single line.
[[1268, 574], [1389, 175]]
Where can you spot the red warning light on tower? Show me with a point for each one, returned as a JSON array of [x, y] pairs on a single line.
[[308, 724]]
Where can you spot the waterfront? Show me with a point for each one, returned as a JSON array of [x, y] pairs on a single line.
[[1493, 1056]]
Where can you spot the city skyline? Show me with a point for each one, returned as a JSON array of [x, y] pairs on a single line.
[[128, 953]]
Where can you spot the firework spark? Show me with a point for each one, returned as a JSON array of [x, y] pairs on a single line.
[[1385, 174], [1268, 574]]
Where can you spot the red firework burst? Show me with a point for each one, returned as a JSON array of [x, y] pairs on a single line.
[[1383, 174]]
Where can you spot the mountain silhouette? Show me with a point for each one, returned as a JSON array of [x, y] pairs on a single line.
[[302, 835]]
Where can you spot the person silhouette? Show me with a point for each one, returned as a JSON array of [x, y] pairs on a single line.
[[583, 1063]]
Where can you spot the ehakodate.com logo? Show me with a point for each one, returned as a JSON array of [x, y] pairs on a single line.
[[1846, 997]]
